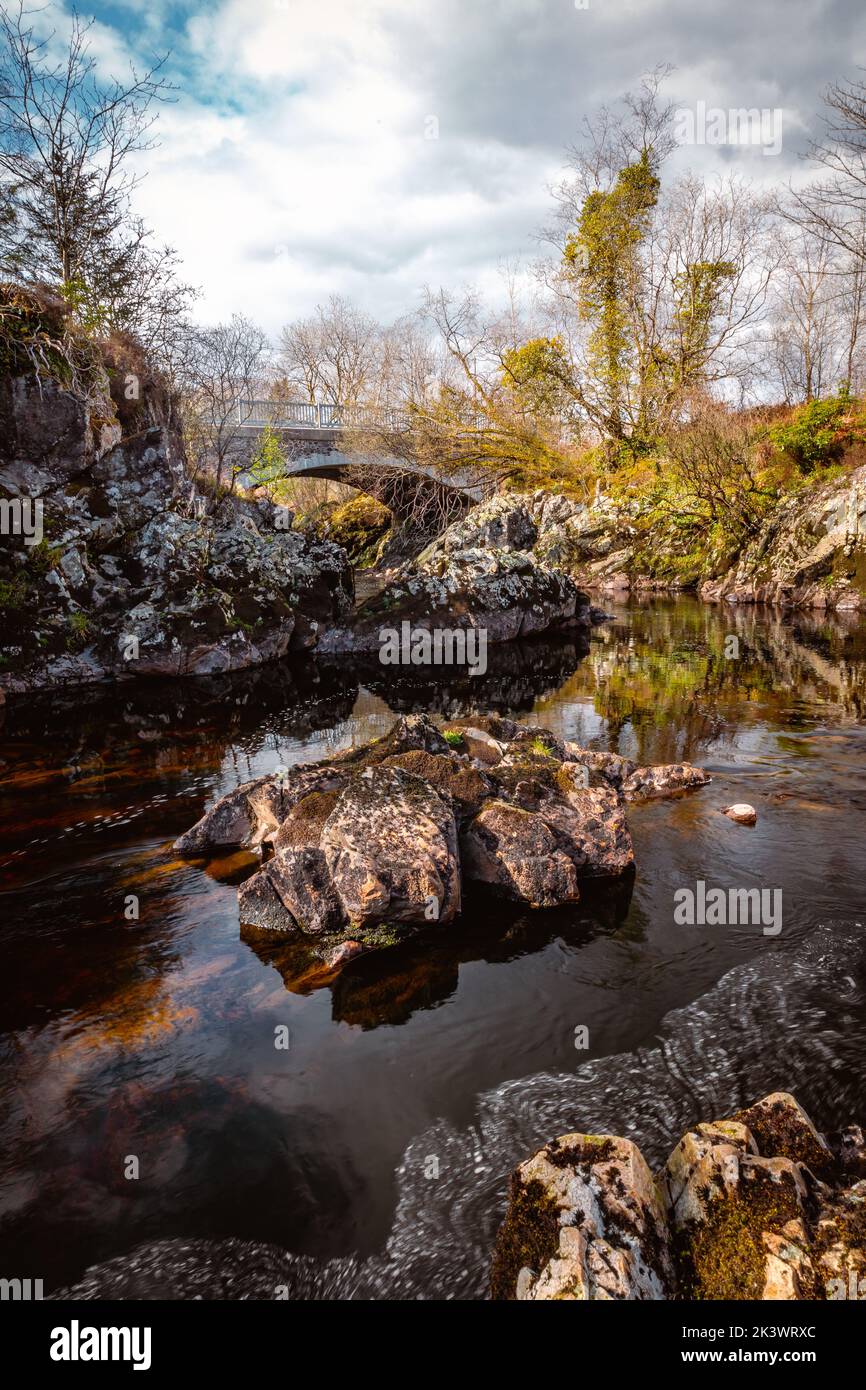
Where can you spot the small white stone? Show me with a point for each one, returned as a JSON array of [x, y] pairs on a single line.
[[741, 812]]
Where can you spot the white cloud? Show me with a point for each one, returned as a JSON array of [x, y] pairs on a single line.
[[295, 163]]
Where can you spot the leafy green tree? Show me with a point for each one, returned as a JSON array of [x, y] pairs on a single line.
[[539, 377], [268, 463]]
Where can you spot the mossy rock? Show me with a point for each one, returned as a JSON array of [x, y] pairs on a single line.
[[359, 526], [724, 1256], [465, 784], [781, 1129], [528, 1238]]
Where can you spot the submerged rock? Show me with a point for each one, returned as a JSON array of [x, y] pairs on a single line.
[[381, 841], [634, 782], [757, 1206]]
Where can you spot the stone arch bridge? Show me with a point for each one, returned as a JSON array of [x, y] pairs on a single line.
[[327, 442]]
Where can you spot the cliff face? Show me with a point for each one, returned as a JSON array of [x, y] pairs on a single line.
[[113, 564], [809, 553]]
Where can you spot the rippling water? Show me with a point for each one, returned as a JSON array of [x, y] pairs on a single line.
[[153, 1037]]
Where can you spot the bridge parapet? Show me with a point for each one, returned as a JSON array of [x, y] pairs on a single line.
[[312, 415], [299, 415]]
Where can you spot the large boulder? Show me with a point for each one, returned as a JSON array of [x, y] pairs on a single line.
[[371, 844], [585, 1222], [756, 1206], [513, 851], [502, 594], [390, 845]]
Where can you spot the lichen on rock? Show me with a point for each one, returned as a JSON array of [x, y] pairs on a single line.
[[383, 840], [757, 1206]]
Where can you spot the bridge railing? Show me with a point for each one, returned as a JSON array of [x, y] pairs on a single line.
[[253, 414], [300, 415]]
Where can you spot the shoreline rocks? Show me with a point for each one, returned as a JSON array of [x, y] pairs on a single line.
[[810, 551], [756, 1206], [371, 845], [504, 594], [138, 570]]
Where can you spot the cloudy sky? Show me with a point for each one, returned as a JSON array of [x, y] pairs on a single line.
[[372, 147]]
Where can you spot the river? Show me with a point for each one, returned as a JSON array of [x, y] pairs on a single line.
[[139, 1023]]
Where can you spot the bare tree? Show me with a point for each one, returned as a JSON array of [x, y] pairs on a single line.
[[835, 202], [610, 139], [225, 368], [332, 356]]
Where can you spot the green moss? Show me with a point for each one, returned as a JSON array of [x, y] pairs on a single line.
[[44, 557], [527, 1239], [723, 1257], [383, 934], [13, 592], [79, 630], [359, 526], [453, 737], [541, 748]]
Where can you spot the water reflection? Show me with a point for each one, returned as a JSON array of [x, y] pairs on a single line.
[[387, 987], [154, 1034]]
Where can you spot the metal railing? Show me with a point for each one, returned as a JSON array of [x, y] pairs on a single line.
[[305, 415], [257, 415]]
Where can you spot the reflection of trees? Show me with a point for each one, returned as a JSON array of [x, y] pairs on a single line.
[[662, 674], [97, 741]]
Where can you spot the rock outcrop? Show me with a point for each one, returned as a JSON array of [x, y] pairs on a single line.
[[503, 593], [809, 553], [757, 1206], [376, 843], [133, 569]]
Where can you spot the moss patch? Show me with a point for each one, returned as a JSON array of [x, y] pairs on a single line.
[[466, 785], [780, 1133], [596, 1148], [528, 1237], [724, 1256], [306, 820]]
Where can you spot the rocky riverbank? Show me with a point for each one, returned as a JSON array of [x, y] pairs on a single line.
[[756, 1206], [809, 553], [117, 564], [133, 569], [373, 845]]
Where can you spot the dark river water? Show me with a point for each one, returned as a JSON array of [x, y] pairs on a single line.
[[373, 1152]]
